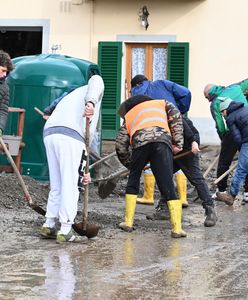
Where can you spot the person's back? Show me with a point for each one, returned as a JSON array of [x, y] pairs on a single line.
[[177, 94], [237, 122], [235, 114], [233, 91], [69, 110], [174, 93], [216, 94], [156, 89]]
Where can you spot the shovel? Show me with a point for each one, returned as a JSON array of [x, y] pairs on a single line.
[[28, 197], [84, 228], [107, 185], [217, 180]]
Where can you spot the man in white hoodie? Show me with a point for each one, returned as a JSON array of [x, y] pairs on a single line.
[[66, 155]]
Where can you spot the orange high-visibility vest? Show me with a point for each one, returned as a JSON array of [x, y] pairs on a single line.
[[146, 114]]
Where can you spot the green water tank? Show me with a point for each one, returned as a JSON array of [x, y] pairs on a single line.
[[35, 82]]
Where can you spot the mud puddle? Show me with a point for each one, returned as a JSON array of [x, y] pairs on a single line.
[[210, 263]]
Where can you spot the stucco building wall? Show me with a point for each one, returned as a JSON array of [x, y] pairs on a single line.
[[215, 30]]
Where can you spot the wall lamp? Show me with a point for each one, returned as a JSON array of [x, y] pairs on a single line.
[[143, 17]]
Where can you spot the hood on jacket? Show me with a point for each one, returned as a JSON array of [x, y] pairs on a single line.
[[224, 103], [215, 91], [131, 102], [234, 105]]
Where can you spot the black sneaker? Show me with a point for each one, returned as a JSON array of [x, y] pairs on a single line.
[[161, 213]]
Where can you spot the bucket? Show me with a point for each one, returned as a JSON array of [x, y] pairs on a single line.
[[13, 143]]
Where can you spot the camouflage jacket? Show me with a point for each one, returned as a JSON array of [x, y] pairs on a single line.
[[150, 135]]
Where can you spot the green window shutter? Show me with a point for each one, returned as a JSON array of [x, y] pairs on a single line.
[[109, 61], [178, 63]]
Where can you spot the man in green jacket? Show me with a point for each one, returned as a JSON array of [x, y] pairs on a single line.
[[214, 94]]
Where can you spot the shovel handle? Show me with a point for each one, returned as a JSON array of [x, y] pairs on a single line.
[[102, 159], [226, 173], [182, 154], [39, 111], [211, 166], [10, 159], [86, 190], [124, 172]]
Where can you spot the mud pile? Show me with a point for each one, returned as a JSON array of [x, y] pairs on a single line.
[[12, 195]]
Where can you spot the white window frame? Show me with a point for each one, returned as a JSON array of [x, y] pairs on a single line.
[[23, 23]]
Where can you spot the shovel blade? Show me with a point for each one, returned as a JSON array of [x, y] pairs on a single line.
[[38, 209], [106, 188], [91, 229]]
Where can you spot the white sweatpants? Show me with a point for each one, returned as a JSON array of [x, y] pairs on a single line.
[[63, 155]]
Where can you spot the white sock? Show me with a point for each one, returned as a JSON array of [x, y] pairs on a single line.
[[65, 228], [245, 196], [50, 222]]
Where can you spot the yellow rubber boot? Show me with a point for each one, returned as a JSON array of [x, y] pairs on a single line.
[[127, 225], [149, 186], [181, 181], [175, 209]]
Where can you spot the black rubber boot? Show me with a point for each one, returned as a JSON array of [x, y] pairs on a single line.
[[211, 217], [161, 213]]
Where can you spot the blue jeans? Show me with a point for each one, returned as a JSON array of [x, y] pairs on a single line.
[[241, 171]]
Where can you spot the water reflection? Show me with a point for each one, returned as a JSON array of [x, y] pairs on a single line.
[[206, 265], [60, 277], [128, 251], [174, 273]]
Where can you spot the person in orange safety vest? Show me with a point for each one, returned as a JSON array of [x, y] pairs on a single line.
[[154, 131]]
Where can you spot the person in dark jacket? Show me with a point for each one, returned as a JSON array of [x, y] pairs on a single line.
[[236, 114], [153, 129], [215, 94], [178, 95], [5, 67], [190, 166]]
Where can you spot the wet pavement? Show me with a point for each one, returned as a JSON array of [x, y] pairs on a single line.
[[211, 263]]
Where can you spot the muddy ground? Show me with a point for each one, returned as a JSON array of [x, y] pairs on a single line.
[[15, 210], [22, 252]]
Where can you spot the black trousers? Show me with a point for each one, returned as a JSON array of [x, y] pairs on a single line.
[[161, 161], [227, 153], [191, 168]]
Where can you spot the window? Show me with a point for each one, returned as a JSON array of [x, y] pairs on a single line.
[[154, 60]]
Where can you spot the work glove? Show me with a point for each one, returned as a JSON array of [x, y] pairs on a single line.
[[1, 132]]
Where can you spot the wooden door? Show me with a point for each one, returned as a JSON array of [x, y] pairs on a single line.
[[149, 59]]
